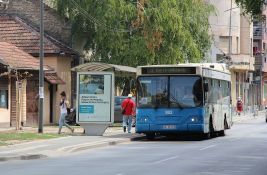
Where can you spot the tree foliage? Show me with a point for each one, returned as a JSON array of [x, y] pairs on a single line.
[[142, 32], [252, 7]]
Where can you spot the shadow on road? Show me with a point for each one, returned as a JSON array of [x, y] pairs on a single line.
[[177, 137]]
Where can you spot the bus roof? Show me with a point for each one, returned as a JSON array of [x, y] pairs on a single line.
[[210, 70], [212, 66]]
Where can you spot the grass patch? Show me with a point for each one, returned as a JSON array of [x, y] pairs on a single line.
[[3, 143], [25, 136]]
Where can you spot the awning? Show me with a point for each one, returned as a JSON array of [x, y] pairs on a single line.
[[119, 70], [53, 78]]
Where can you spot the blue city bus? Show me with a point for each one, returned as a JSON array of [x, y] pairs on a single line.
[[183, 98]]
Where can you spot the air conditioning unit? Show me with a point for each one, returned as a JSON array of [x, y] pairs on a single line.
[[4, 4]]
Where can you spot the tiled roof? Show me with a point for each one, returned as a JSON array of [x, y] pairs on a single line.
[[16, 58], [14, 30]]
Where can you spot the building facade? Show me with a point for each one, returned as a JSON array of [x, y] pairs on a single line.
[[232, 43], [19, 87], [259, 51], [57, 56]]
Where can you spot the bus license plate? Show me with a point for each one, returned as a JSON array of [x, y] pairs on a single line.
[[169, 126]]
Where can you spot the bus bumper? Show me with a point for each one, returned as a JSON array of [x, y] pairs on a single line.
[[143, 128]]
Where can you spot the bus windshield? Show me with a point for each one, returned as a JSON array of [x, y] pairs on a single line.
[[170, 91]]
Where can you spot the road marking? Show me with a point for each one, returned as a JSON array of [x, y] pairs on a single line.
[[207, 147], [234, 139], [164, 160], [84, 146], [251, 157], [23, 149]]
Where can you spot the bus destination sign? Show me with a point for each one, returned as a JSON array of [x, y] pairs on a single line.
[[169, 70]]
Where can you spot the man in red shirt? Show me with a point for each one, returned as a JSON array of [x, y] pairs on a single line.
[[128, 110]]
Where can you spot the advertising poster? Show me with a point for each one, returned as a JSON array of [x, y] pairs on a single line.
[[95, 97]]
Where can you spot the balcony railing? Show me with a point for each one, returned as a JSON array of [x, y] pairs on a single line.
[[242, 62], [257, 30]]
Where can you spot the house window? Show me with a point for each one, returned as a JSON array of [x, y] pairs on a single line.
[[4, 99], [224, 43]]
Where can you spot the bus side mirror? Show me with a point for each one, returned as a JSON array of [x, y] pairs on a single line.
[[206, 87]]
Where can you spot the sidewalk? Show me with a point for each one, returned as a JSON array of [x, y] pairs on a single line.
[[64, 145], [248, 117]]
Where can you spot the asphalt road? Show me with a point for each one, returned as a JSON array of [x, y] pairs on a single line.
[[243, 151]]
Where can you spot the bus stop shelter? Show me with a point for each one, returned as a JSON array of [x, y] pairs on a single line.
[[98, 128]]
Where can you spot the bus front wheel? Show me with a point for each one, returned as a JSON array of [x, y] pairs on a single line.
[[210, 134]]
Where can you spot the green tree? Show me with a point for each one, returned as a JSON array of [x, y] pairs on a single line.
[[131, 32], [252, 7]]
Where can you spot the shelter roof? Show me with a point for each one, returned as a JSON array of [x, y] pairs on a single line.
[[119, 70]]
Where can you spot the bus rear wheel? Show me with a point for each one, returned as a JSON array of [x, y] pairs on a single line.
[[150, 136]]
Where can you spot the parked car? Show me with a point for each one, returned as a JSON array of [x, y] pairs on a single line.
[[117, 108]]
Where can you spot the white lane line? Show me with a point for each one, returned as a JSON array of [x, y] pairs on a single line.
[[207, 147], [164, 160], [23, 149], [235, 139]]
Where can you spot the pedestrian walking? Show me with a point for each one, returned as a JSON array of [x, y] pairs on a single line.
[[128, 110], [64, 108], [239, 105]]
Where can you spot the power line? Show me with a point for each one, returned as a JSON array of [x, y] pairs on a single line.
[[96, 21], [222, 25]]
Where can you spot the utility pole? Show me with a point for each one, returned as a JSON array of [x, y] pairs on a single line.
[[41, 71], [230, 31]]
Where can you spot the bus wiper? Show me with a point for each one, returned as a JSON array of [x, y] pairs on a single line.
[[176, 102]]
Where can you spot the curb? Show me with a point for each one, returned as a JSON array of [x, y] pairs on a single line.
[[75, 148], [99, 144], [23, 157]]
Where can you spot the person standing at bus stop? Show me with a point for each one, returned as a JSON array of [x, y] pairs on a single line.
[[64, 107], [128, 110]]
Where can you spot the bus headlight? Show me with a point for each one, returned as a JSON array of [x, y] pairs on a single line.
[[194, 119], [143, 119]]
